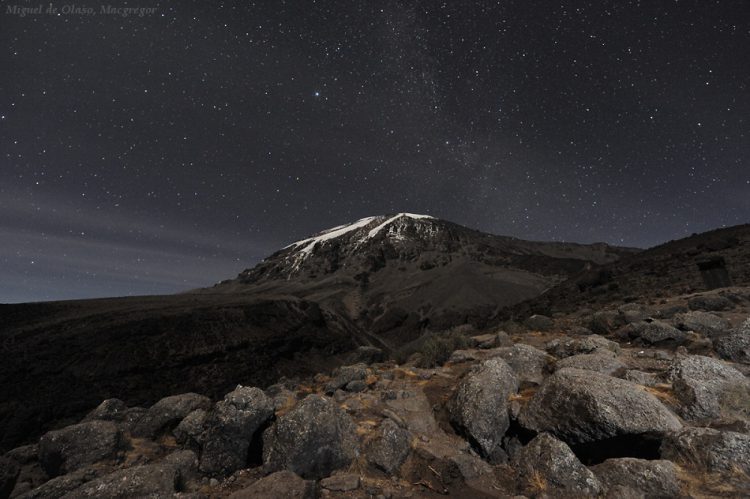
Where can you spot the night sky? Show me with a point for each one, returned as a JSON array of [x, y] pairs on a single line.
[[153, 154]]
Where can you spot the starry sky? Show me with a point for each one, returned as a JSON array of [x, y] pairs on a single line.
[[157, 153]]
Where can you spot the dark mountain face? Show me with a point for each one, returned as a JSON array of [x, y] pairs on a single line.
[[397, 275], [669, 269]]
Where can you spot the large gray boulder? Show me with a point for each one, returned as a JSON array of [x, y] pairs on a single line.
[[63, 485], [390, 448], [736, 345], [277, 485], [653, 331], [189, 433], [76, 446], [710, 303], [167, 413], [702, 322], [530, 364], [538, 322], [480, 406], [707, 448], [654, 479], [709, 388], [567, 347], [581, 406], [602, 361], [606, 321], [313, 439], [230, 428], [345, 375], [109, 410], [547, 465]]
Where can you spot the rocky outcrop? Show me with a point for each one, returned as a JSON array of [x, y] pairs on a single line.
[[548, 466], [567, 347], [390, 448], [736, 345], [653, 332], [76, 446], [708, 388], [710, 303], [313, 439], [480, 407], [709, 449], [539, 322], [702, 322], [230, 427], [581, 406], [651, 478], [168, 412], [530, 364], [345, 375]]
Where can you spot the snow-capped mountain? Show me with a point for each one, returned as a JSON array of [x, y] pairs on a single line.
[[397, 274]]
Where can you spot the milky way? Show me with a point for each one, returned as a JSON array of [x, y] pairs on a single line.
[[154, 153]]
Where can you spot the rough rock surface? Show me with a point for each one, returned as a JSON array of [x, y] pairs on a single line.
[[190, 430], [605, 321], [109, 410], [150, 480], [391, 447], [736, 345], [345, 375], [530, 364], [230, 428], [539, 322], [65, 484], [702, 322], [653, 331], [76, 446], [341, 482], [652, 478], [602, 362], [548, 465], [710, 303], [584, 406], [567, 347], [313, 439], [276, 485], [480, 406], [709, 388], [711, 449], [168, 412]]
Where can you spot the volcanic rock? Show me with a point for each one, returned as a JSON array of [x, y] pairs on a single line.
[[73, 447]]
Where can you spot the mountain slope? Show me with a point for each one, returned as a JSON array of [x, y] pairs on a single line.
[[396, 275]]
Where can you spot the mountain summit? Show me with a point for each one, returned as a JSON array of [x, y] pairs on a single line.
[[399, 274]]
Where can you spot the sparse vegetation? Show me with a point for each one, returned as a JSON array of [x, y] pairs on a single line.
[[433, 348]]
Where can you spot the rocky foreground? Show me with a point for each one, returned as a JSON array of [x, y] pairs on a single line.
[[642, 400]]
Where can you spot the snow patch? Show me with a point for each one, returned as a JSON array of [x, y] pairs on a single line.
[[374, 232]]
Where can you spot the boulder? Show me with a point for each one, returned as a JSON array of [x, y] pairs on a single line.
[[702, 322], [109, 410], [64, 485], [547, 465], [391, 447], [530, 364], [367, 355], [76, 446], [602, 362], [313, 439], [492, 340], [341, 482], [653, 479], [276, 485], [167, 413], [230, 428], [641, 378], [736, 345], [479, 408], [605, 321], [567, 347], [710, 303], [538, 322], [188, 432], [633, 312], [581, 406], [150, 480], [709, 388], [345, 375], [9, 471], [653, 331], [459, 356], [707, 448]]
